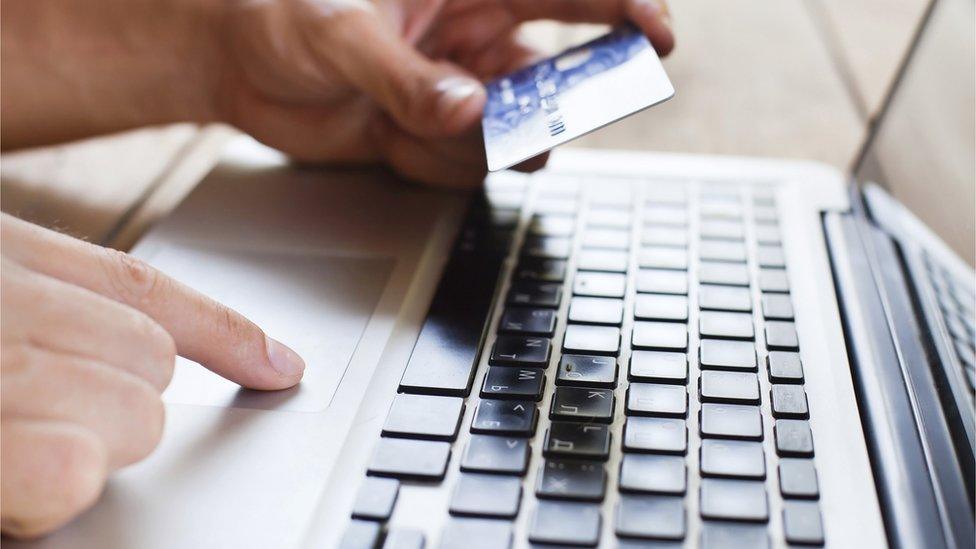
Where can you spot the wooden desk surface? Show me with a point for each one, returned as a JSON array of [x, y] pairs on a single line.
[[792, 78]]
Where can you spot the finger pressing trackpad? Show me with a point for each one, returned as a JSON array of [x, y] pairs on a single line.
[[317, 304]]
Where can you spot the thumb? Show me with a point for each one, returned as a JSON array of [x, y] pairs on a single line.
[[426, 98]]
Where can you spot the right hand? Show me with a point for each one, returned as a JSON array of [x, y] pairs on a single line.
[[89, 339], [398, 82]]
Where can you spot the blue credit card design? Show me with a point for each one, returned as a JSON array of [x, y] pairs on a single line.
[[561, 98]]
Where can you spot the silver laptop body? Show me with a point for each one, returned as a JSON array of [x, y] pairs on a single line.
[[744, 324]]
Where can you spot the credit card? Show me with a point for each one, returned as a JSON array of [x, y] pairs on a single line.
[[564, 97]]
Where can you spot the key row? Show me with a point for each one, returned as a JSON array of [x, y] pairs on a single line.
[[661, 335]]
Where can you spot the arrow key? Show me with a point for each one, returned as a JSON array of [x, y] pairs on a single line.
[[501, 417], [499, 455]]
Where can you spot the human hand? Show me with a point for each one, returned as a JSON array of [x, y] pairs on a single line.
[[392, 81], [89, 338]]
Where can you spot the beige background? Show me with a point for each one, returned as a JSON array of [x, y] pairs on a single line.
[[790, 78]]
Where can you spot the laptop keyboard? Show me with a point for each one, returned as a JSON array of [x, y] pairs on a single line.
[[958, 307], [639, 378]]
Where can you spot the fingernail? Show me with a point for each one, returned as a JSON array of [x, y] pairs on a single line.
[[285, 361], [454, 91]]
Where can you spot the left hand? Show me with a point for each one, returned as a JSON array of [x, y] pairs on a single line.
[[392, 81]]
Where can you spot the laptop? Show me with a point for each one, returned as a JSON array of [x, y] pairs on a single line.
[[625, 349]]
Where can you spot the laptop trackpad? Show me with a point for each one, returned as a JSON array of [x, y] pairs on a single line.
[[319, 305]]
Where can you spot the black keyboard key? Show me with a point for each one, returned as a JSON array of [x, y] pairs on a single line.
[[577, 440], [540, 269], [662, 257], [503, 417], [655, 435], [361, 534], [658, 366], [404, 538], [653, 474], [580, 338], [596, 310], [730, 274], [528, 321], [798, 478], [730, 387], [652, 399], [781, 335], [731, 535], [595, 284], [731, 421], [571, 479], [789, 401], [488, 496], [726, 499], [725, 325], [770, 256], [724, 298], [773, 280], [549, 247], [661, 281], [733, 458], [538, 294], [793, 438], [611, 239], [521, 351], [720, 354], [784, 367], [476, 533], [801, 523], [410, 459], [566, 523], [611, 261], [376, 498], [587, 370], [777, 307], [659, 335], [651, 517], [582, 404], [494, 454], [718, 250], [661, 307], [506, 383], [423, 416]]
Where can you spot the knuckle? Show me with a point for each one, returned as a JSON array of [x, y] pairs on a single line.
[[133, 280]]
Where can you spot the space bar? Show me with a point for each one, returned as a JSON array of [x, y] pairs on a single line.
[[445, 356]]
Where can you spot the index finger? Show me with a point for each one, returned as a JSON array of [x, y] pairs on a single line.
[[205, 331]]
